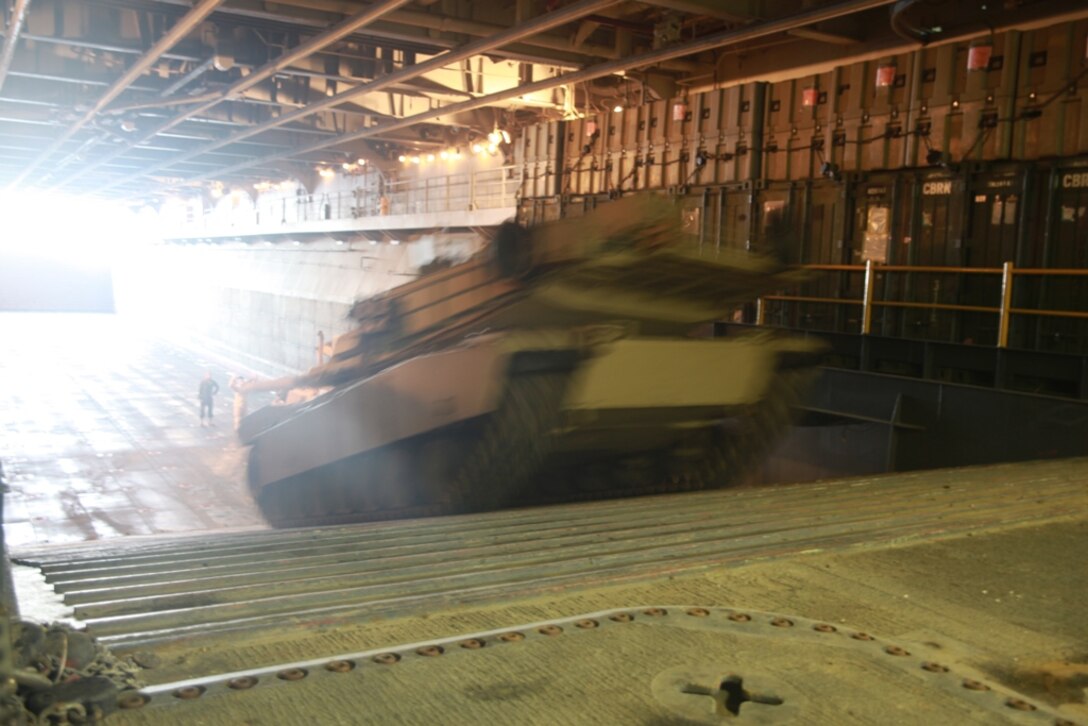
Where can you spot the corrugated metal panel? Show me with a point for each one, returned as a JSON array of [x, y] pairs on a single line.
[[133, 592]]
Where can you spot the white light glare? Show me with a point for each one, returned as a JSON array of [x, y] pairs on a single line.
[[89, 232]]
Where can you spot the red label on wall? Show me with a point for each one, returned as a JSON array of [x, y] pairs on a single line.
[[978, 57], [885, 76]]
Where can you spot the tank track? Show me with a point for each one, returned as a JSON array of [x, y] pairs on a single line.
[[732, 459], [715, 458], [516, 441]]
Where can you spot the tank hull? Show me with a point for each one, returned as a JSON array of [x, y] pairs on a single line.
[[479, 426]]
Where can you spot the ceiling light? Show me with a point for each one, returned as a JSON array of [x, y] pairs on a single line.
[[617, 108], [402, 158]]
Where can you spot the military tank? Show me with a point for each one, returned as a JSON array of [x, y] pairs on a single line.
[[563, 362]]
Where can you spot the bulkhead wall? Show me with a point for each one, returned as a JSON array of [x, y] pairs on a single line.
[[265, 303], [936, 106]]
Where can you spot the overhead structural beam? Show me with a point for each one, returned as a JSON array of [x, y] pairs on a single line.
[[600, 70], [538, 24], [710, 8], [440, 24], [300, 51], [11, 37], [713, 9], [824, 36], [185, 25]]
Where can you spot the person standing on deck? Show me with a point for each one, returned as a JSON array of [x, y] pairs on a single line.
[[208, 389]]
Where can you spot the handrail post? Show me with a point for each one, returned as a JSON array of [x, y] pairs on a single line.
[[472, 190], [1006, 305], [867, 300], [761, 311]]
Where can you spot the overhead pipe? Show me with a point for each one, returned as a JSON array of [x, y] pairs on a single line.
[[300, 51], [166, 102], [536, 25], [188, 78], [600, 70], [182, 28], [11, 37], [106, 47]]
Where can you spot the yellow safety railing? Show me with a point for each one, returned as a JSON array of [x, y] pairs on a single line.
[[1004, 309]]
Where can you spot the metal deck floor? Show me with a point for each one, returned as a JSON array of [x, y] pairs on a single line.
[[101, 435], [981, 568]]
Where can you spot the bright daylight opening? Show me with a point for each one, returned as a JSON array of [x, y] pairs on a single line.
[[60, 252], [68, 228]]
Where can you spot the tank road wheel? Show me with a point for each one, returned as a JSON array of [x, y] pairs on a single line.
[[731, 458], [515, 442]]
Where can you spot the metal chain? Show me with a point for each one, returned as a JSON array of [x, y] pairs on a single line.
[[49, 664]]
